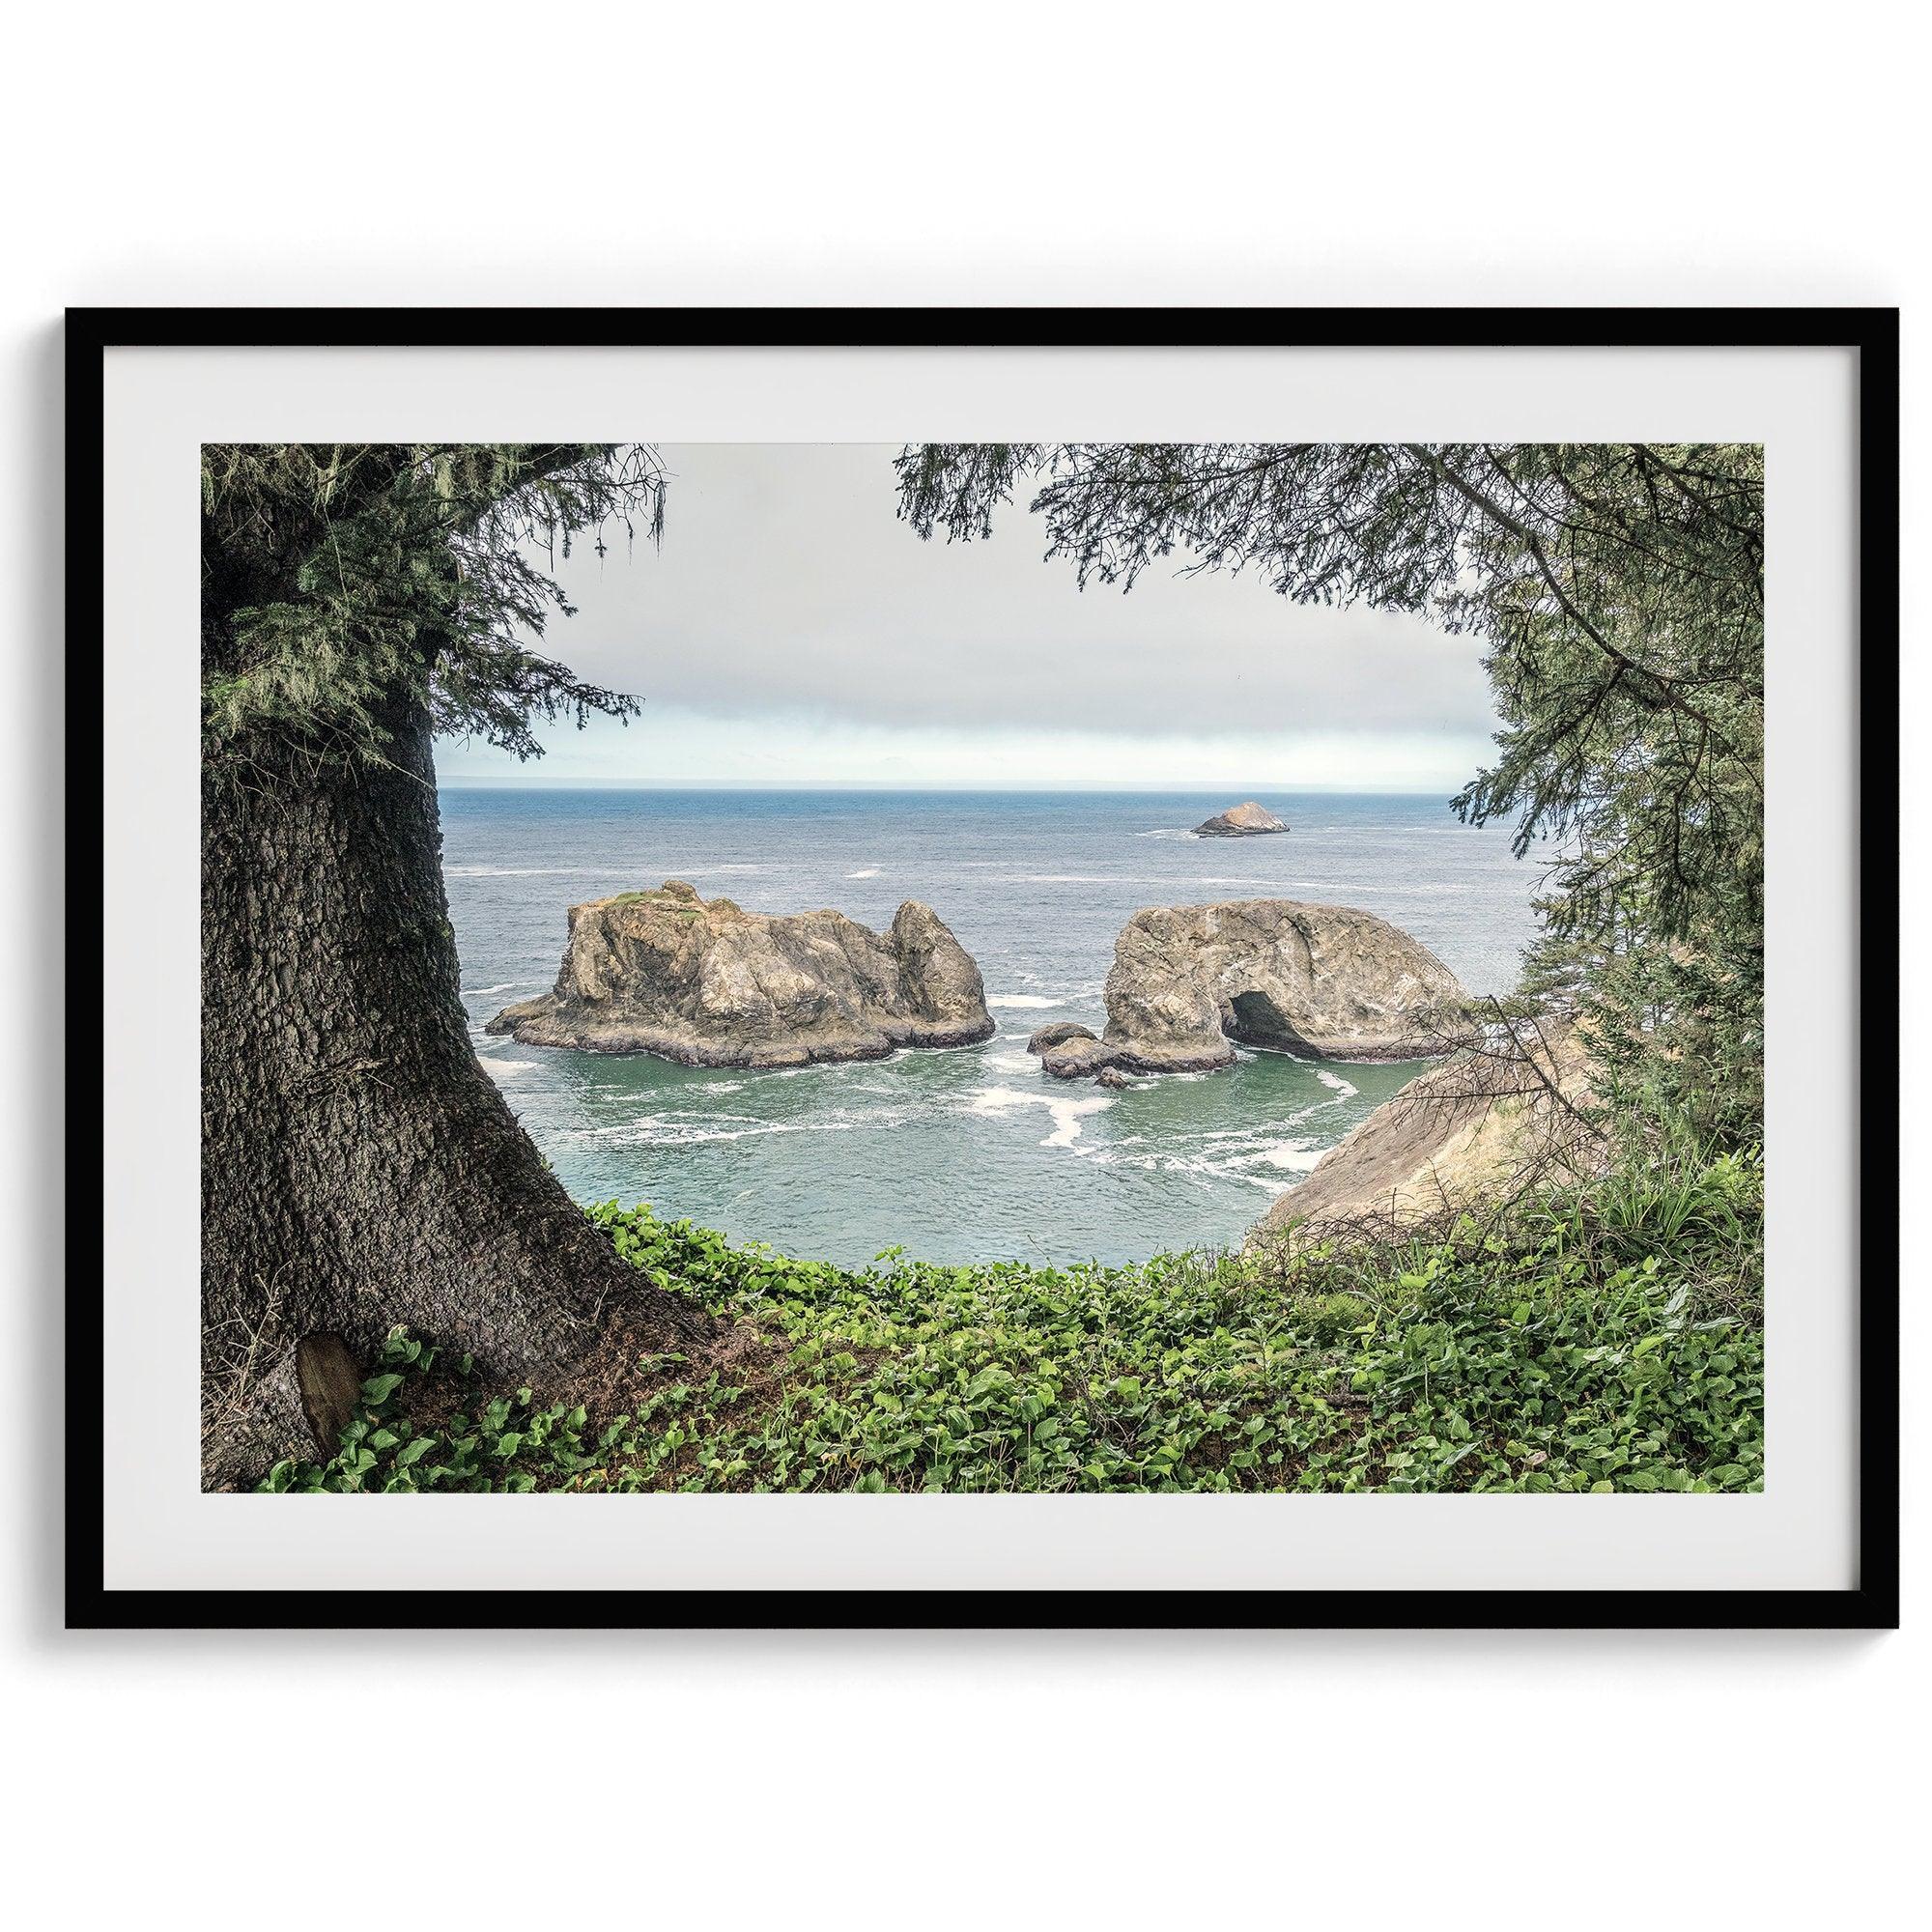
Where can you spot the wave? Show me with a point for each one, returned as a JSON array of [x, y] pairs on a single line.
[[533, 871], [1067, 1114], [656, 1132], [1230, 1156], [1258, 887], [683, 1130], [865, 872], [508, 986], [998, 1000], [497, 1067], [1294, 1157], [1103, 879], [595, 871], [833, 1070], [1202, 1169]]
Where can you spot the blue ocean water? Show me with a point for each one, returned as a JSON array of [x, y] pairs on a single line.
[[970, 1153]]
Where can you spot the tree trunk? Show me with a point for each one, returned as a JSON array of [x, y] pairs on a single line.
[[360, 1169]]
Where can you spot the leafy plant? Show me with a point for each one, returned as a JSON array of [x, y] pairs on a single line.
[[1608, 1338]]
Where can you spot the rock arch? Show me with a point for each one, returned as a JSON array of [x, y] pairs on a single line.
[[1321, 981]]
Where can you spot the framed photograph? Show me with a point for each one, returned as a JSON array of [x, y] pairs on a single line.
[[1049, 968]]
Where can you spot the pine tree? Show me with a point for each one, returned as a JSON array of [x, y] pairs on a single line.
[[360, 1169]]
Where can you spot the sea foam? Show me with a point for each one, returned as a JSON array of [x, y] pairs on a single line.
[[1066, 1113], [1012, 1063]]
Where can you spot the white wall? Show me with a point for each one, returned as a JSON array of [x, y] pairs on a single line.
[[1480, 153]]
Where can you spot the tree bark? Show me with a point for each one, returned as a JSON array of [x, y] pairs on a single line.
[[360, 1169]]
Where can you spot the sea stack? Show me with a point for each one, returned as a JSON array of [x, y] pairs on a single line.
[[1240, 821], [1319, 982], [709, 984]]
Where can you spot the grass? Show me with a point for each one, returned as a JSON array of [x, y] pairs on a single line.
[[1599, 1340]]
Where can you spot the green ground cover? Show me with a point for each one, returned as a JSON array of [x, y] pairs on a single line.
[[1603, 1339]]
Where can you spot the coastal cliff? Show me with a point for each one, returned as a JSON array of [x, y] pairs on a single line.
[[709, 984], [1466, 1135]]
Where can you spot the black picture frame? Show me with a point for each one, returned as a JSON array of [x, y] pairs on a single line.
[[1872, 1604]]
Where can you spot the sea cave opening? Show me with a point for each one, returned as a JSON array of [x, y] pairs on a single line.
[[1255, 1020]]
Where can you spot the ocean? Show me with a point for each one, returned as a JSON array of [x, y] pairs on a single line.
[[969, 1153]]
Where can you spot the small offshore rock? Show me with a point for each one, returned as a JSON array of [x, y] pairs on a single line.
[[1054, 1032], [1248, 820], [1078, 1059], [1111, 1077]]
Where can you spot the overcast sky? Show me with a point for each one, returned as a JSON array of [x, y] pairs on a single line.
[[792, 630]]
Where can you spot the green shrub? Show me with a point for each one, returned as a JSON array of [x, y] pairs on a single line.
[[1329, 1318], [1608, 1338]]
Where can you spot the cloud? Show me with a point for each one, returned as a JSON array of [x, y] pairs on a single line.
[[787, 587], [794, 627], [670, 745]]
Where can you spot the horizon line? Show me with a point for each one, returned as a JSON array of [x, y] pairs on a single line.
[[466, 783]]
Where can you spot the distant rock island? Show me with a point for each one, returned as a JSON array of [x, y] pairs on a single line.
[[709, 984], [1320, 981], [1240, 821]]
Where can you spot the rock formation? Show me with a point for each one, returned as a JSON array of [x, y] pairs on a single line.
[[1079, 1058], [711, 985], [1461, 1138], [1321, 981], [1240, 821], [1055, 1033]]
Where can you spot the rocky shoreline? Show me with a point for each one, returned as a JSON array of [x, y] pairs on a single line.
[[1491, 1121]]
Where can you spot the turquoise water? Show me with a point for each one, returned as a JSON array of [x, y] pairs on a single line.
[[970, 1153]]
